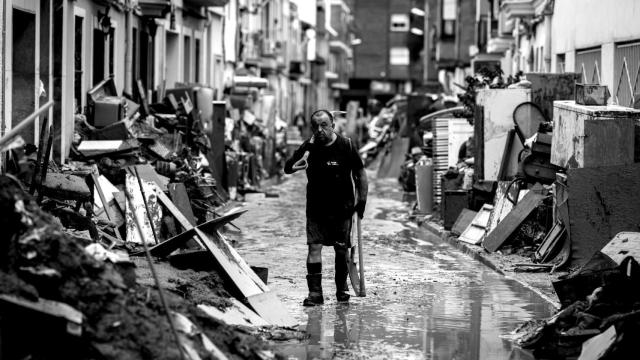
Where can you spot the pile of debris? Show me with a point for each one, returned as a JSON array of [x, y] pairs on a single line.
[[600, 318], [119, 253]]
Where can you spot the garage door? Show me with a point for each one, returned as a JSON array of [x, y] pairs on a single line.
[[626, 69], [588, 65]]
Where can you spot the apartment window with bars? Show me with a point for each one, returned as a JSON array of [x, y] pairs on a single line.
[[449, 15], [560, 63], [627, 73], [399, 22], [588, 64]]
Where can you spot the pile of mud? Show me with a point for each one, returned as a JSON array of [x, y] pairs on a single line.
[[38, 260]]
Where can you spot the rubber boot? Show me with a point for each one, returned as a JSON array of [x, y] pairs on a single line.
[[342, 274], [314, 282]]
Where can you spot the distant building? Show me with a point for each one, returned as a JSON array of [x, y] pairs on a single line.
[[383, 61]]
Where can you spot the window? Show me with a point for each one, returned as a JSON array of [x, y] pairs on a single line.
[[626, 67], [77, 63], [588, 65], [449, 15], [399, 56], [560, 63], [98, 55], [399, 22], [197, 56], [187, 59]]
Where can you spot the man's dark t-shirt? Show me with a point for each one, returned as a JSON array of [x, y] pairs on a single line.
[[330, 191]]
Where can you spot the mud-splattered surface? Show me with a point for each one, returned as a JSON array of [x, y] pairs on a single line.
[[424, 300]]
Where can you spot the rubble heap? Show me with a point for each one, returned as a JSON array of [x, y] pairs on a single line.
[[40, 261]]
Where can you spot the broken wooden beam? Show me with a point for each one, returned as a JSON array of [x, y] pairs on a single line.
[[167, 247], [494, 240]]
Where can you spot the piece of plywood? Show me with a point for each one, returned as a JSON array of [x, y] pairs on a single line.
[[622, 245], [601, 203], [148, 173], [512, 221], [236, 314], [167, 247], [501, 205], [179, 196], [463, 221], [137, 206], [263, 304]]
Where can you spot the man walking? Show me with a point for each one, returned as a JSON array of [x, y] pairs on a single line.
[[333, 169]]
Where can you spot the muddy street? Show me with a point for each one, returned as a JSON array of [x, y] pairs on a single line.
[[425, 299]]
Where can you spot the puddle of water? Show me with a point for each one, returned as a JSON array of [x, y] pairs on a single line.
[[434, 304], [425, 320]]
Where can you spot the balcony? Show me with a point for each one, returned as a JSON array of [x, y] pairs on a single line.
[[525, 8], [499, 45], [340, 45], [518, 8], [154, 8], [206, 3]]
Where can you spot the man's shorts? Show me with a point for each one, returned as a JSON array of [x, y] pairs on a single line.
[[329, 232]]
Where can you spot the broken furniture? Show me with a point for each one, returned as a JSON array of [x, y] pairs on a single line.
[[474, 233], [104, 106], [534, 161]]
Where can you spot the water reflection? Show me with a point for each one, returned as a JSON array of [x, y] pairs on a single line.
[[425, 301], [426, 321]]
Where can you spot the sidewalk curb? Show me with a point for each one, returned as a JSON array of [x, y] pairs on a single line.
[[478, 253]]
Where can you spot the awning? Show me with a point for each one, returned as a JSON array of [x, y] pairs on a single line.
[[154, 8], [206, 2], [250, 81]]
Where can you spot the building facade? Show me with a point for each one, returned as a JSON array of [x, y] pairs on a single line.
[[58, 50]]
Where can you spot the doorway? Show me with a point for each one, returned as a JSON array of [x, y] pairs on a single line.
[[23, 76]]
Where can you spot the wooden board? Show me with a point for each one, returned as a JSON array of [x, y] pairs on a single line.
[[138, 207], [236, 314], [179, 196], [463, 221], [601, 203], [501, 205], [263, 304], [504, 229], [148, 173], [167, 247], [622, 245]]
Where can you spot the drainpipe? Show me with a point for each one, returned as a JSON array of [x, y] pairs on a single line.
[[516, 53], [547, 41], [128, 50]]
